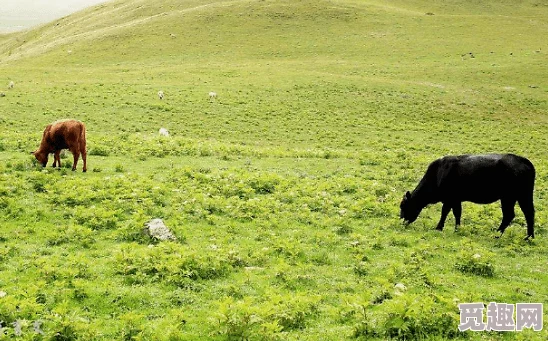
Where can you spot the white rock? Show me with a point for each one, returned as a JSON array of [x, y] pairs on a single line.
[[158, 230], [400, 287]]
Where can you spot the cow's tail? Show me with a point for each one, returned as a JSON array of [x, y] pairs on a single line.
[[526, 202], [83, 139], [529, 174]]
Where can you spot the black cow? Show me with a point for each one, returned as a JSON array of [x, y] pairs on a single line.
[[481, 179]]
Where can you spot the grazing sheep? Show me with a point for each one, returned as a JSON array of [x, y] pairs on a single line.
[[2, 94], [212, 95], [163, 132], [11, 85], [161, 94]]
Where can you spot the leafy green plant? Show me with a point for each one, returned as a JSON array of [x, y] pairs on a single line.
[[266, 320], [264, 184], [171, 263], [238, 320], [99, 150], [99, 218], [410, 317], [475, 264], [132, 326], [39, 182], [294, 313]]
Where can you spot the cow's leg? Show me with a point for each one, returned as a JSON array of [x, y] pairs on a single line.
[[457, 211], [84, 156], [528, 210], [76, 155], [445, 209], [57, 159], [508, 214]]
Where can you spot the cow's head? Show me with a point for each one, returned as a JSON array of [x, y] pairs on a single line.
[[41, 157], [409, 211]]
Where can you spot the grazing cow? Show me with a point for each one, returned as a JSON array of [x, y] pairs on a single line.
[[160, 94], [481, 179], [65, 134]]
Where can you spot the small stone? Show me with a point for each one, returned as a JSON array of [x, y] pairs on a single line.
[[158, 230], [400, 287]]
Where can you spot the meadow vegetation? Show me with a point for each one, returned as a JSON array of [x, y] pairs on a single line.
[[284, 190]]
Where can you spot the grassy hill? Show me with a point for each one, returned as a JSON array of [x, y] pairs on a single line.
[[284, 190]]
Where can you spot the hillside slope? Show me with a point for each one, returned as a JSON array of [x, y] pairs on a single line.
[[282, 66], [132, 30]]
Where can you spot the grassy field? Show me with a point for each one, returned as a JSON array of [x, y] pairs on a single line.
[[284, 190]]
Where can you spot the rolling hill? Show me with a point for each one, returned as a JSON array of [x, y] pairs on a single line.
[[250, 50]]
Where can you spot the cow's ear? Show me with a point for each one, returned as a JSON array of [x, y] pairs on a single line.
[[407, 195]]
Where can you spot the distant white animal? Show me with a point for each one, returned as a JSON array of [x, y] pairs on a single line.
[[163, 132], [11, 85], [212, 95], [161, 94]]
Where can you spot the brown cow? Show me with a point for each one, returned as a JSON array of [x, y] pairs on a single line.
[[65, 134]]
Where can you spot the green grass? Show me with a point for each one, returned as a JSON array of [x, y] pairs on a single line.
[[283, 191]]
